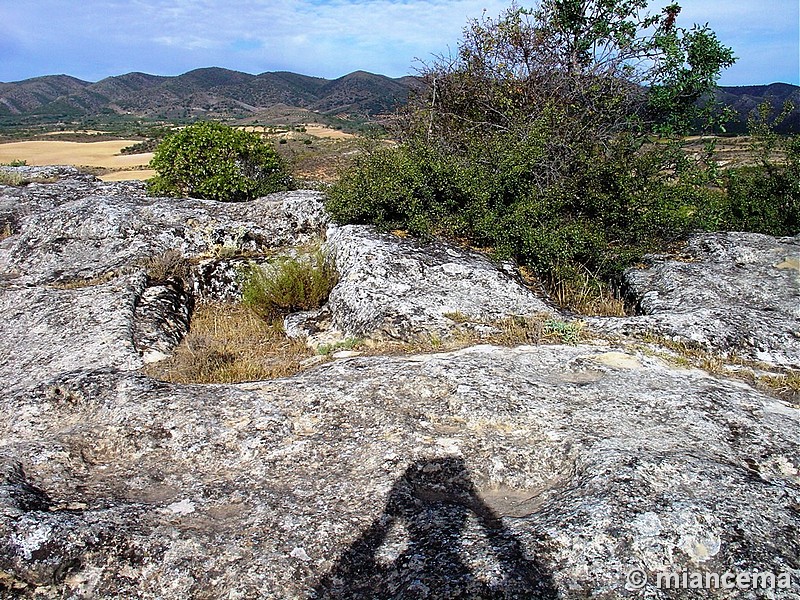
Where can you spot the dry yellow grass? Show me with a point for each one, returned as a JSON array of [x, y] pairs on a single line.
[[126, 175], [93, 154], [227, 343], [326, 132]]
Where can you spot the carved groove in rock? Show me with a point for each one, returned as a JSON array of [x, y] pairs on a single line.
[[161, 319]]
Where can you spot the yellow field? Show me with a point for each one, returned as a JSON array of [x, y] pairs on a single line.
[[89, 154], [125, 175], [327, 132], [318, 131]]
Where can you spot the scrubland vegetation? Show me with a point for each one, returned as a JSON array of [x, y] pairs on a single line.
[[289, 285], [211, 160], [555, 136]]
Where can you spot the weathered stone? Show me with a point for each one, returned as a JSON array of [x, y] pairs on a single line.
[[488, 471], [104, 227], [401, 289], [733, 293], [533, 472], [161, 320], [75, 277], [47, 331]]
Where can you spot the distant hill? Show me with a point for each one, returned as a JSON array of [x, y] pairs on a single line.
[[745, 99], [221, 93], [212, 92]]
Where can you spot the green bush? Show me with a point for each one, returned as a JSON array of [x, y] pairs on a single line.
[[537, 140], [289, 285], [765, 198], [211, 160], [615, 205]]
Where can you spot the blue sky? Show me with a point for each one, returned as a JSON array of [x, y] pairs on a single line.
[[93, 39]]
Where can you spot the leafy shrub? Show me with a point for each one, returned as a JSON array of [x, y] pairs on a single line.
[[536, 139], [765, 198], [211, 160], [141, 147], [289, 285], [762, 200], [615, 206]]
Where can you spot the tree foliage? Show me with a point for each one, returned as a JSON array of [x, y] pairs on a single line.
[[535, 137], [217, 162], [581, 69]]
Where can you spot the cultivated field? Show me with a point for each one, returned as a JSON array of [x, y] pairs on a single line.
[[314, 152], [104, 155]]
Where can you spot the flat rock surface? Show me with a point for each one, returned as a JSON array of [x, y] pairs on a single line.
[[489, 472], [547, 471]]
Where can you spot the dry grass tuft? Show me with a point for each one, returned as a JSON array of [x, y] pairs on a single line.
[[228, 343], [290, 285], [12, 179], [780, 382], [510, 331], [784, 385], [166, 266], [586, 295]]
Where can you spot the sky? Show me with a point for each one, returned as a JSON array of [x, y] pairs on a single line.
[[93, 39]]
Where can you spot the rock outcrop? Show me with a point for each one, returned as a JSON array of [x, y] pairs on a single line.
[[549, 471], [88, 279], [732, 293], [393, 288]]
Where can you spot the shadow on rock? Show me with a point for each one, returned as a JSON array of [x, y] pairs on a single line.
[[436, 539]]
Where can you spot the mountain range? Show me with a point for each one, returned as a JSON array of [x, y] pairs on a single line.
[[211, 92], [221, 93]]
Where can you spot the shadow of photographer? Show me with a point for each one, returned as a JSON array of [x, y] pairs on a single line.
[[436, 539]]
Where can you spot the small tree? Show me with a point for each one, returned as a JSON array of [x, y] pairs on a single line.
[[577, 72], [211, 160], [532, 138]]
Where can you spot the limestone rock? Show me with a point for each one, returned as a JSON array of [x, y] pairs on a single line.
[[76, 278], [533, 472], [107, 226], [46, 331], [400, 289], [497, 472], [161, 320], [734, 293]]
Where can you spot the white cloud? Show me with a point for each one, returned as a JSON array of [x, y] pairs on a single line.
[[95, 38]]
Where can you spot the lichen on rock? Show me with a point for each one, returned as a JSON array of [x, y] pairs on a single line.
[[547, 471]]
